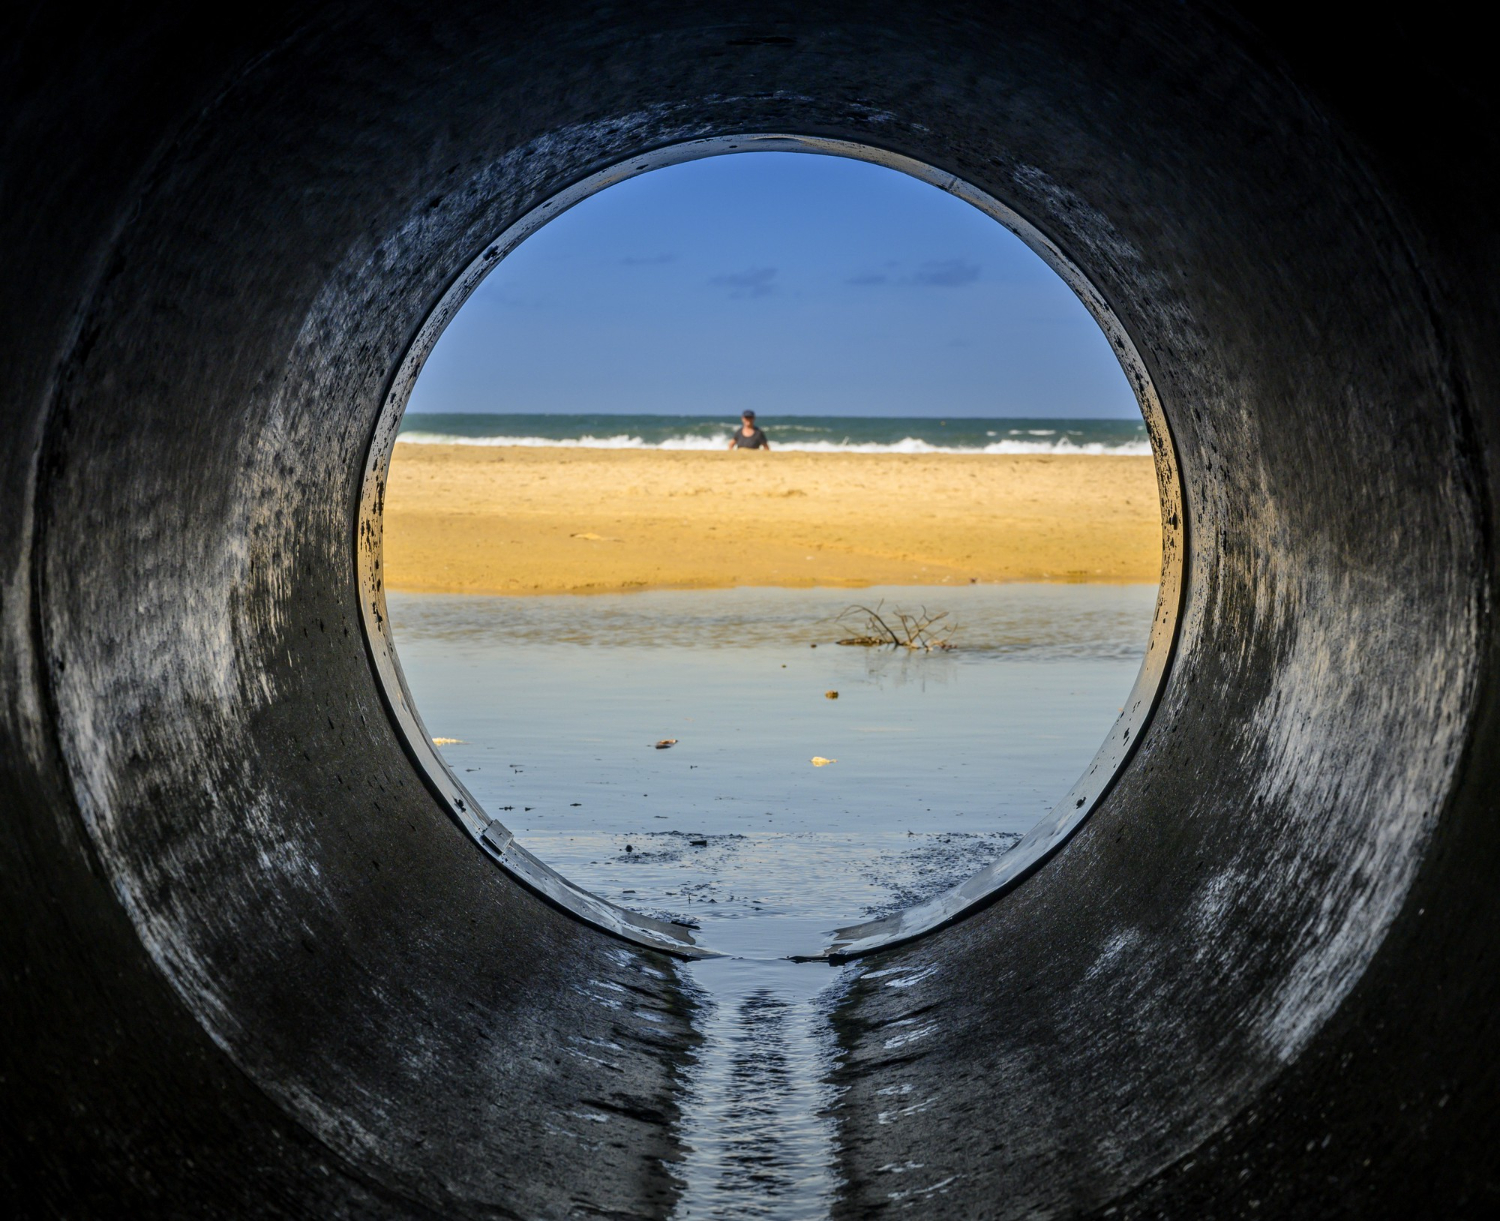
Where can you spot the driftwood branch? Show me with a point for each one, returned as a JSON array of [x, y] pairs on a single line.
[[925, 630]]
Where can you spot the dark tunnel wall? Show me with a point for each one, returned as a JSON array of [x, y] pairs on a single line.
[[250, 966]]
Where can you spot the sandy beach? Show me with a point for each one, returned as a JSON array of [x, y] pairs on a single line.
[[517, 520]]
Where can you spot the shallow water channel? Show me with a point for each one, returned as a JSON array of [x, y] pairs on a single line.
[[940, 762]]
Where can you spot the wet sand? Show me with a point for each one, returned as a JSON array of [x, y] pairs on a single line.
[[512, 520]]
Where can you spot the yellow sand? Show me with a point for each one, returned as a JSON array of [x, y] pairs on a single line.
[[475, 519]]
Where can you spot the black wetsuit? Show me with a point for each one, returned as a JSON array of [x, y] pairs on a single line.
[[755, 440]]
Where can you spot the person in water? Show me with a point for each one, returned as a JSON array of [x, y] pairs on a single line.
[[748, 436]]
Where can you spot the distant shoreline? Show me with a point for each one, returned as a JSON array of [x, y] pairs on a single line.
[[806, 433], [546, 520]]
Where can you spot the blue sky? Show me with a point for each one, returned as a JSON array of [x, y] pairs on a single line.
[[790, 283]]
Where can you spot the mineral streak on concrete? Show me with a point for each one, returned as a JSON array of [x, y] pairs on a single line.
[[250, 966]]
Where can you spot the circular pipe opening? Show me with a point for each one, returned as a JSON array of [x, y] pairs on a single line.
[[498, 842]]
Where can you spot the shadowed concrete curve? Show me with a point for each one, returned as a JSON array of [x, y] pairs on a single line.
[[252, 968]]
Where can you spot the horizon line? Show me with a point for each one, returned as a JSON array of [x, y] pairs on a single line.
[[684, 415]]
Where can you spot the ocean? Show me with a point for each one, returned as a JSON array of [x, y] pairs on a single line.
[[808, 433]]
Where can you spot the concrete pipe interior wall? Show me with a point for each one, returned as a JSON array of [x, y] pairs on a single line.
[[252, 967]]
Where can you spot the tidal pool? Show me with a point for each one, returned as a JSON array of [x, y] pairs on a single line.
[[550, 709]]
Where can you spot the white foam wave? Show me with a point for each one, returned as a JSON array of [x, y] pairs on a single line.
[[907, 445]]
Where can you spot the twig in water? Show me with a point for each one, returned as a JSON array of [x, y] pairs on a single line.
[[925, 631]]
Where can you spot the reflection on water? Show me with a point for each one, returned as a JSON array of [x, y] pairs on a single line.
[[942, 762], [1039, 621], [757, 1127]]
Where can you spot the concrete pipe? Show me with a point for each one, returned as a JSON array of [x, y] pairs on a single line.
[[252, 965]]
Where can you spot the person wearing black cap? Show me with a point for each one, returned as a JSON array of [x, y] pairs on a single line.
[[748, 436]]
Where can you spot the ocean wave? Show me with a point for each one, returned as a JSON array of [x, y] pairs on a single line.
[[907, 445]]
